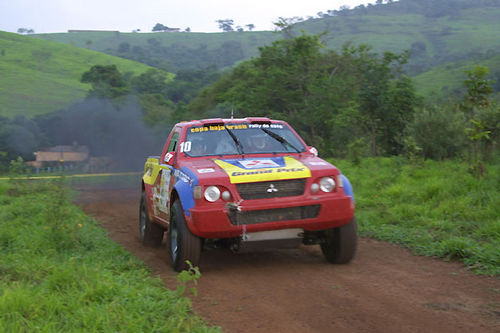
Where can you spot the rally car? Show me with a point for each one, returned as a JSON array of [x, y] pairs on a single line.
[[244, 183]]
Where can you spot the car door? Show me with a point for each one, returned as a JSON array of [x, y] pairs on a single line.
[[163, 185]]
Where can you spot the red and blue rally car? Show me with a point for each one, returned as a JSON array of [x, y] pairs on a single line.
[[240, 183]]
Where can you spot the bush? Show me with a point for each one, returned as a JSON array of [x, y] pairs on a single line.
[[438, 132]]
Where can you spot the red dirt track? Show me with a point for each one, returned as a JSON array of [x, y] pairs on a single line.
[[385, 288]]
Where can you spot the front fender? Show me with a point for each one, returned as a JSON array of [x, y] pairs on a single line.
[[185, 193], [185, 181], [347, 187]]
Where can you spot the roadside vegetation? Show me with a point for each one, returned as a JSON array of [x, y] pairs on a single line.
[[434, 208], [59, 272]]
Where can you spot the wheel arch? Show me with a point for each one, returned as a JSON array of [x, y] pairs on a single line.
[[347, 187], [183, 192]]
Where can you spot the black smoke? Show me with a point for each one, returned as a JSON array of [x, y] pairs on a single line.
[[108, 128]]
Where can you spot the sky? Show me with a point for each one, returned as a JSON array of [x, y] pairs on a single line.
[[49, 16]]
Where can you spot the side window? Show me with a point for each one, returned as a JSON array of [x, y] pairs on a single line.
[[173, 142]]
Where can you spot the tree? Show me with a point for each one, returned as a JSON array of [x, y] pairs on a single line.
[[250, 26], [188, 29], [226, 25], [25, 31], [285, 24], [478, 88], [153, 81], [124, 47], [106, 81], [159, 27], [383, 112], [482, 114], [332, 99]]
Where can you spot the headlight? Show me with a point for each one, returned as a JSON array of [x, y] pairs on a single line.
[[212, 193], [314, 188], [326, 184], [226, 196]]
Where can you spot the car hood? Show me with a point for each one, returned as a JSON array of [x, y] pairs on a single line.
[[257, 169]]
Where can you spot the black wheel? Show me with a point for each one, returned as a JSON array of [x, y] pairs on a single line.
[[150, 233], [340, 243], [182, 244]]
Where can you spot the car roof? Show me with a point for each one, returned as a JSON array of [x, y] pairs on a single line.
[[223, 121]]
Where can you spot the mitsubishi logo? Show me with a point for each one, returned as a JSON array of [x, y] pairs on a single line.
[[272, 189]]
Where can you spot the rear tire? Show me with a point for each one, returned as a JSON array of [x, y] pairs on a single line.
[[150, 233], [340, 243], [182, 244]]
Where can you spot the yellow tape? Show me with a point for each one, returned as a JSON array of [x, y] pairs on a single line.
[[70, 176]]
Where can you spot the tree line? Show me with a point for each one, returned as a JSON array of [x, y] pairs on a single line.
[[355, 102], [349, 104]]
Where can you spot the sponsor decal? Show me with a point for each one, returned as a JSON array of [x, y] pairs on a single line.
[[265, 126], [182, 176], [207, 170], [217, 128], [258, 163], [313, 151], [168, 157], [264, 169]]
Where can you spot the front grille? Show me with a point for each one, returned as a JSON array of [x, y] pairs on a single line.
[[272, 189], [271, 215]]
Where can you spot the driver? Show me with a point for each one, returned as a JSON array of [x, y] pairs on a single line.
[[259, 142], [198, 147]]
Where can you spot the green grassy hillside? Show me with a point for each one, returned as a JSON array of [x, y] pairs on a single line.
[[435, 32], [449, 79], [38, 76], [172, 51], [447, 33]]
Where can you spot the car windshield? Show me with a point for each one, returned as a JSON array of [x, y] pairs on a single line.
[[241, 138]]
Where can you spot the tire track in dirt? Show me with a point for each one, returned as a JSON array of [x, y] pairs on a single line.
[[385, 288]]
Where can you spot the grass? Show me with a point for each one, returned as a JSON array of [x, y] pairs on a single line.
[[433, 208], [444, 80], [59, 272], [39, 77]]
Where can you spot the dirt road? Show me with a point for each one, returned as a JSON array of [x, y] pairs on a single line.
[[385, 288]]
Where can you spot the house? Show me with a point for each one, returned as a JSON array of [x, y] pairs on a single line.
[[60, 155]]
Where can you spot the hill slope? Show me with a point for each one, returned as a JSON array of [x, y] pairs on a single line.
[[436, 32], [457, 35], [441, 81], [172, 51], [38, 76]]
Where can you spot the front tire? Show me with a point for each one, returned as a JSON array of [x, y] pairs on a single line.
[[150, 233], [339, 246], [183, 245]]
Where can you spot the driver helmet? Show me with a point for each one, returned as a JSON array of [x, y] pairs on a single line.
[[259, 140], [198, 147]]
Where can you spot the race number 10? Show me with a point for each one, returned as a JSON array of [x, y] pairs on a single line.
[[186, 147]]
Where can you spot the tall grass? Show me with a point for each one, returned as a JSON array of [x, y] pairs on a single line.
[[433, 208], [59, 272]]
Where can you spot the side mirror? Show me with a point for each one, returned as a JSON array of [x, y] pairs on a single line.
[[312, 150], [169, 158]]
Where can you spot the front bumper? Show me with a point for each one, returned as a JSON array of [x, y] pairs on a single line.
[[223, 220]]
